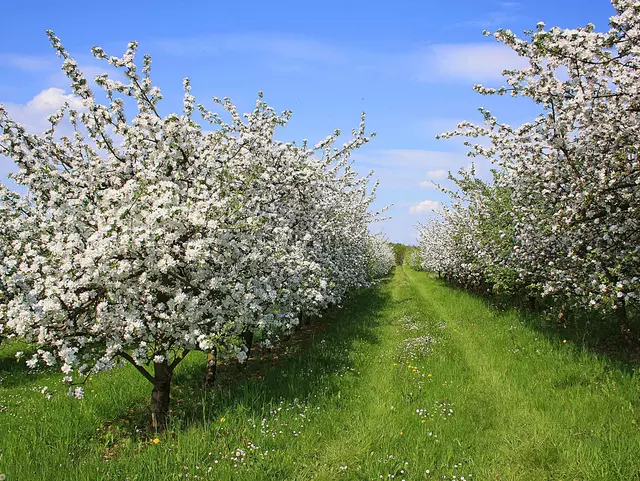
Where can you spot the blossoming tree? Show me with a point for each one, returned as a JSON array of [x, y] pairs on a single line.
[[572, 175], [145, 237]]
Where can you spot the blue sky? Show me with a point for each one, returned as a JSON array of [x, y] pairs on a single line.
[[408, 64]]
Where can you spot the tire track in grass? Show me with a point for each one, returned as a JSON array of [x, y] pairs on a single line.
[[367, 426], [511, 431], [382, 422]]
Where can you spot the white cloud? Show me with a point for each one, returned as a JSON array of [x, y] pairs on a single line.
[[33, 115], [437, 174], [476, 62], [51, 99], [424, 206]]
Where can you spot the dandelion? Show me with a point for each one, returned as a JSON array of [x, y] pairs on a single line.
[[222, 420], [156, 441]]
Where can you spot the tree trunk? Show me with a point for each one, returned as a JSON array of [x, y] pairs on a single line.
[[301, 320], [532, 303], [160, 395], [624, 326], [210, 372], [247, 337]]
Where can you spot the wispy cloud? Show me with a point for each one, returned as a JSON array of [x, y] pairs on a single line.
[[437, 174], [28, 63], [490, 20], [501, 15], [48, 67], [475, 62], [409, 159], [294, 53], [427, 184], [266, 46], [402, 171]]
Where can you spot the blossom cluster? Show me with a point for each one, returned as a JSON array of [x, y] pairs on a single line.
[[144, 236], [560, 217]]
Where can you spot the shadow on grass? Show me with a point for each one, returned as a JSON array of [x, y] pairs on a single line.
[[15, 373], [590, 331], [306, 366]]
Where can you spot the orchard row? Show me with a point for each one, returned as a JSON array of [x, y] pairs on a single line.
[[560, 217], [143, 237]]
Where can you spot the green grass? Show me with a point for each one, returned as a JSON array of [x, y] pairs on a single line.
[[495, 398]]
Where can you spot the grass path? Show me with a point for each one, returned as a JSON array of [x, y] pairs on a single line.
[[476, 394]]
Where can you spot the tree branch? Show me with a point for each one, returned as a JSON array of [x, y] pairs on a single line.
[[140, 369]]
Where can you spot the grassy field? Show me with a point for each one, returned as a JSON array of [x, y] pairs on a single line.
[[410, 380]]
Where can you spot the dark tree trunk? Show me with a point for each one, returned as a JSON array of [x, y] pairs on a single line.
[[623, 324], [160, 395], [302, 320], [532, 302], [210, 371], [247, 338]]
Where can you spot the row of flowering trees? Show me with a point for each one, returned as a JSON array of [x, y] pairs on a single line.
[[561, 215], [143, 237]]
